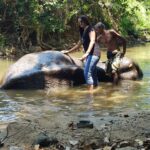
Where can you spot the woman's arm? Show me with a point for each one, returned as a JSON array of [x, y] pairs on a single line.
[[77, 46]]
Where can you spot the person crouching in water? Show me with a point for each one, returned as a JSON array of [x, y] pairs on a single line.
[[91, 51], [112, 41]]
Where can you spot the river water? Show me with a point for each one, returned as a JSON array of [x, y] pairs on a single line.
[[128, 95]]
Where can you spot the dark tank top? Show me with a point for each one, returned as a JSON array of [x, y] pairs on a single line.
[[86, 41]]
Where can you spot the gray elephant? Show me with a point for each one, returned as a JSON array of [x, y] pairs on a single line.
[[49, 69]]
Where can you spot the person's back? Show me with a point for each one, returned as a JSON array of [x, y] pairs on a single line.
[[110, 40]]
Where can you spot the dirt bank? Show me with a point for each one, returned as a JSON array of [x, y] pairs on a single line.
[[121, 131]]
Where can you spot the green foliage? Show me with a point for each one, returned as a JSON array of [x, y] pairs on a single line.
[[51, 18], [133, 15], [2, 41], [21, 19]]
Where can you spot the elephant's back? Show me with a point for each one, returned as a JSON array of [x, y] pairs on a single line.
[[34, 64]]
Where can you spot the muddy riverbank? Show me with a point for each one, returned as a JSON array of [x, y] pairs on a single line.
[[122, 131]]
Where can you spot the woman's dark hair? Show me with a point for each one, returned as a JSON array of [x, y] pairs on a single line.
[[84, 19]]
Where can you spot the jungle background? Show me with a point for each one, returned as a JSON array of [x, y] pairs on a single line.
[[34, 25]]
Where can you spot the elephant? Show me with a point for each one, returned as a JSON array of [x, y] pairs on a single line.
[[49, 69]]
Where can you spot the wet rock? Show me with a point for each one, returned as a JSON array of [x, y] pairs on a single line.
[[95, 144], [45, 141], [103, 126], [113, 146], [16, 148], [111, 121], [36, 147], [126, 115], [127, 148], [107, 138], [107, 148], [85, 124], [139, 142], [146, 144], [1, 144], [147, 134], [60, 147], [90, 144], [68, 148], [106, 114], [124, 144], [73, 142], [72, 126]]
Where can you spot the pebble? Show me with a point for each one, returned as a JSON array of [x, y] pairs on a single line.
[[127, 148], [124, 144], [126, 115], [73, 142], [16, 148], [106, 140], [140, 143], [36, 147], [107, 148], [67, 148]]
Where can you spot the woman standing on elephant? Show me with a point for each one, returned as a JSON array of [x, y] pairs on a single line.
[[91, 51]]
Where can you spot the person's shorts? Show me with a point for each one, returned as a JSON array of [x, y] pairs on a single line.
[[113, 63]]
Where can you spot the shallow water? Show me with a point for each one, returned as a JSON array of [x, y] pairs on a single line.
[[129, 95]]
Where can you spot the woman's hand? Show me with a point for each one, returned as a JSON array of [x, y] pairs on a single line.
[[83, 57], [65, 51]]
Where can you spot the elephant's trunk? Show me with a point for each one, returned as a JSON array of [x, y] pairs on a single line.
[[140, 73]]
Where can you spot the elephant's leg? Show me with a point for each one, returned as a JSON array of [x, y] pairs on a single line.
[[52, 82], [65, 77]]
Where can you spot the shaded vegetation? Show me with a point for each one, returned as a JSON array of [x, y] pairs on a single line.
[[50, 24]]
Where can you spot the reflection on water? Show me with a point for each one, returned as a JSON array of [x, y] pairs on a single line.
[[4, 64], [107, 98]]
